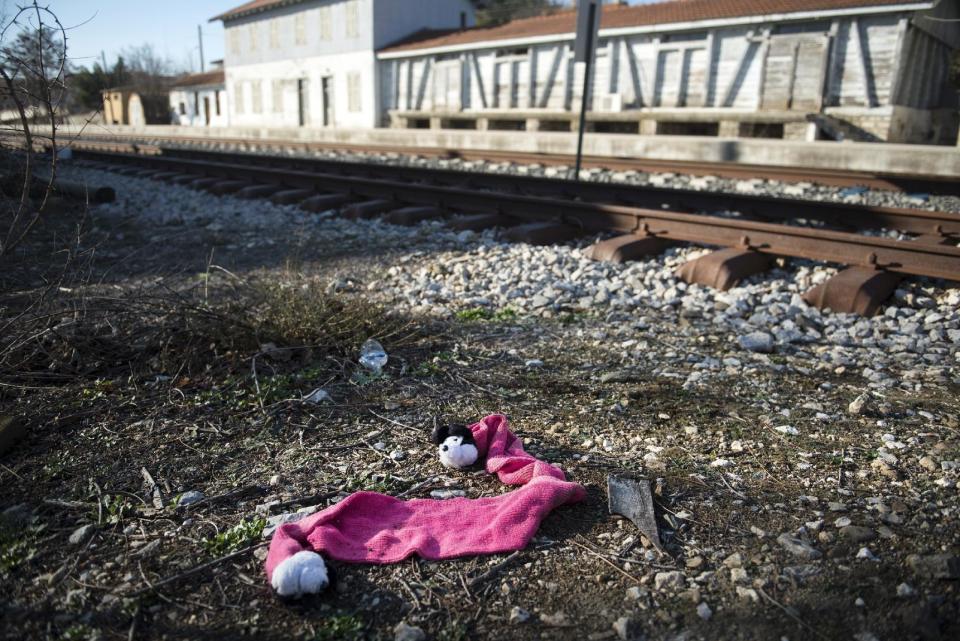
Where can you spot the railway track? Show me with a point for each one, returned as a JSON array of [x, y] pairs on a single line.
[[644, 221], [881, 181]]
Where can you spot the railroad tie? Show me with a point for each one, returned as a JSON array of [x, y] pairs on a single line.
[[257, 191], [164, 175], [324, 202], [368, 209], [203, 183], [855, 290], [862, 290], [409, 216], [291, 196], [724, 268], [622, 249], [222, 187], [479, 222], [541, 233]]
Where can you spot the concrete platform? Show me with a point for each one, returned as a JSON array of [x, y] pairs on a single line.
[[868, 157]]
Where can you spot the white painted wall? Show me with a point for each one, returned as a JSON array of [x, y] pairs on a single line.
[[193, 102], [241, 82], [720, 67], [311, 40]]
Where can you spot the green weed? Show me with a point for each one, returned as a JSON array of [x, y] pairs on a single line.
[[236, 538], [340, 628]]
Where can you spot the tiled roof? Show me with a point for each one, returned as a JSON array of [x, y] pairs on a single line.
[[617, 16], [252, 7], [215, 77]]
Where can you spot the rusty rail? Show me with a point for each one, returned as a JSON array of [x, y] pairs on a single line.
[[896, 256], [763, 208], [836, 178]]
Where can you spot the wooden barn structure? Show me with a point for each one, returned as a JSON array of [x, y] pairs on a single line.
[[796, 69]]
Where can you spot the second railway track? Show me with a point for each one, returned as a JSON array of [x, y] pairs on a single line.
[[645, 220], [888, 181]]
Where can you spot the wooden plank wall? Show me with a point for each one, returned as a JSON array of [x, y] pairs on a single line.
[[846, 62]]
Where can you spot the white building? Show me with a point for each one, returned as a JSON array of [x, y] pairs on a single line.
[[199, 100], [873, 69], [312, 63]]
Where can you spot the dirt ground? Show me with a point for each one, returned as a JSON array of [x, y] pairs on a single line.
[[176, 365]]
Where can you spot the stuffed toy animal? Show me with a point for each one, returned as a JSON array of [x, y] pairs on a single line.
[[455, 445], [368, 527]]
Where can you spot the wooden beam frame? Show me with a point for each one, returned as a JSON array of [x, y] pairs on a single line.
[[552, 77], [480, 88]]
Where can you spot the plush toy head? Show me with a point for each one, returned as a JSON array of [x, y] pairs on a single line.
[[455, 445]]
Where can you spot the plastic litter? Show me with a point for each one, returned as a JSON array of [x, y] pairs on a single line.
[[317, 396], [856, 190], [373, 356]]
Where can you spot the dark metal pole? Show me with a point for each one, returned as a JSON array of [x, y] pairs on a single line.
[[586, 89]]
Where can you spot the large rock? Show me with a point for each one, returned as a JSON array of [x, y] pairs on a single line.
[[673, 580], [935, 566], [404, 632], [757, 342], [82, 534], [798, 548], [857, 533]]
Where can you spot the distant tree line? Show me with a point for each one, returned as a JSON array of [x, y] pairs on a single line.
[[496, 12], [36, 61]]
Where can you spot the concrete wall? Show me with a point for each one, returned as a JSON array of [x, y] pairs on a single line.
[[893, 158], [188, 106]]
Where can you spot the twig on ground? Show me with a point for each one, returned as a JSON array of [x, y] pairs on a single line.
[[493, 571], [397, 423], [152, 587]]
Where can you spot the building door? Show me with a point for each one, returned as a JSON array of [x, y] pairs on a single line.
[[206, 110], [303, 101], [794, 72], [326, 87]]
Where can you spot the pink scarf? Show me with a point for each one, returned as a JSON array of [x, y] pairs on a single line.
[[367, 527]]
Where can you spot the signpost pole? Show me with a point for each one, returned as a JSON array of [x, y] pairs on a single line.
[[587, 20]]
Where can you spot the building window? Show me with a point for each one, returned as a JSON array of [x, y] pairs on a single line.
[[183, 108], [300, 29], [353, 19], [275, 33], [278, 96], [326, 23], [216, 101], [253, 37], [256, 97], [233, 35], [353, 92], [238, 98]]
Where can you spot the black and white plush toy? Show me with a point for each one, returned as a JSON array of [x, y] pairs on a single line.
[[455, 445]]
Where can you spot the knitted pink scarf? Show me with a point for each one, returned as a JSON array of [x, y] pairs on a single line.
[[367, 527]]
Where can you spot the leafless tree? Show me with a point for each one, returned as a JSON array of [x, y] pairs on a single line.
[[33, 69]]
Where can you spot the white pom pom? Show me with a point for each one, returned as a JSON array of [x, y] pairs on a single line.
[[456, 454], [303, 573]]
